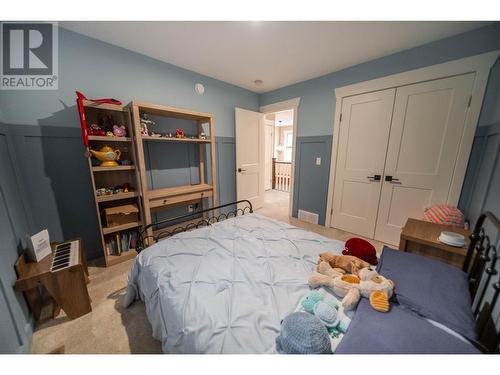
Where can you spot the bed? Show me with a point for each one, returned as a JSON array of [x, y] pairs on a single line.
[[223, 284]]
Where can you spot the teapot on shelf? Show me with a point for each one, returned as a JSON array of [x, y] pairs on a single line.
[[107, 156]]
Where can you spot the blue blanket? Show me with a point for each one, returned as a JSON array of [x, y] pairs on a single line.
[[424, 289], [397, 332]]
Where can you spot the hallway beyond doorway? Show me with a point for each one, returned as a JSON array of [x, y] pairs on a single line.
[[276, 206]]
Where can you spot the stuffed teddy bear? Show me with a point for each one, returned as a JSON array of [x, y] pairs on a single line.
[[343, 263], [365, 283]]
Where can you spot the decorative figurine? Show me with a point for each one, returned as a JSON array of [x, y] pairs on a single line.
[[109, 134], [203, 135], [119, 131], [126, 187], [145, 122], [95, 129], [179, 133], [107, 156]]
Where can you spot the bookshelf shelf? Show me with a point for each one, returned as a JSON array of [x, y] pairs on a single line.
[[115, 197], [175, 140], [111, 169], [115, 259], [120, 228], [109, 139]]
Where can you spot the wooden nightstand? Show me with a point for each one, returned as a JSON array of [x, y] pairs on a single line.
[[421, 237]]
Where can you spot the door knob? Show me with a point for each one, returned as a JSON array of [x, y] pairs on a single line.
[[375, 177], [392, 179], [241, 170]]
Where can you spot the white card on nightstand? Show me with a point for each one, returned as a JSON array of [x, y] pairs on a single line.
[[40, 245]]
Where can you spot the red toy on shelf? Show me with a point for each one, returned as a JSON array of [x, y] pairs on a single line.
[[179, 133], [81, 111]]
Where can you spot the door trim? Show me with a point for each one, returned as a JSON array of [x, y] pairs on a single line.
[[281, 106], [478, 64]]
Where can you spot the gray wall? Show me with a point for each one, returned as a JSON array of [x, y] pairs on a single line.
[[15, 321], [317, 104]]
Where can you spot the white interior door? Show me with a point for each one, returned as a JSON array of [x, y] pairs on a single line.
[[268, 157], [427, 128], [250, 144], [363, 137]]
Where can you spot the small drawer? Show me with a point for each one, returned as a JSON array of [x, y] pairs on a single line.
[[167, 201]]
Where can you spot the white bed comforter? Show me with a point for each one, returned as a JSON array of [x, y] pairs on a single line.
[[227, 287]]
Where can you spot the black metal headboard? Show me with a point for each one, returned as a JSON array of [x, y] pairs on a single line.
[[480, 264], [167, 228]]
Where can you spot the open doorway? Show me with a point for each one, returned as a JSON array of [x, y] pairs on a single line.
[[278, 159]]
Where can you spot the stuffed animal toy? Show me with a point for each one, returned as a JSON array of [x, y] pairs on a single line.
[[327, 311], [361, 249], [366, 283], [343, 263]]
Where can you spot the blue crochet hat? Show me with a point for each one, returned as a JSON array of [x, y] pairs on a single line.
[[303, 333]]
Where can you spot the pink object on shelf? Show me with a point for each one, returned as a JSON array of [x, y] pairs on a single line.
[[444, 214]]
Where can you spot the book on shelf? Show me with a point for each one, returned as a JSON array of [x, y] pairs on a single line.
[[121, 243]]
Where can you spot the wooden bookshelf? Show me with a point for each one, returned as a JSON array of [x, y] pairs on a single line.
[[109, 177], [164, 198]]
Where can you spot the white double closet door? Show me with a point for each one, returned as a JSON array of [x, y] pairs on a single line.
[[397, 153]]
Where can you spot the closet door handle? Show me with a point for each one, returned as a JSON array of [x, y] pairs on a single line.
[[241, 170], [375, 177], [392, 179]]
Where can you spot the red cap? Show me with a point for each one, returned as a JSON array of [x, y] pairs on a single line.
[[361, 249]]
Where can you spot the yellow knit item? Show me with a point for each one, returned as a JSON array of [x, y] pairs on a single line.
[[379, 301]]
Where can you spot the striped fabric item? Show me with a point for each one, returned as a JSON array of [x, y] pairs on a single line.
[[444, 214]]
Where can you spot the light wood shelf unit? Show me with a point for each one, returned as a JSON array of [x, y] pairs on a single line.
[[173, 196], [111, 176]]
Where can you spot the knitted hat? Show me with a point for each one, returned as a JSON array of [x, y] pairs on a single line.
[[303, 333], [361, 249]]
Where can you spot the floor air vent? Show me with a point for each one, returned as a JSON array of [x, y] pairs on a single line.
[[308, 217]]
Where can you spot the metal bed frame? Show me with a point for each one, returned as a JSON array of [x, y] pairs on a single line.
[[167, 227], [480, 266], [480, 261]]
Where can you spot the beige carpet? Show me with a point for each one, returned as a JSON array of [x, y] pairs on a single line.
[[110, 328]]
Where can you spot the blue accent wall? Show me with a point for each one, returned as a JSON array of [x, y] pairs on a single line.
[[310, 177], [15, 320], [317, 98]]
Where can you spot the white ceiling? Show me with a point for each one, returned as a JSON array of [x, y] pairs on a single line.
[[278, 53]]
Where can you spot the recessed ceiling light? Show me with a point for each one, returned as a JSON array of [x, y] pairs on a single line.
[[258, 82]]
